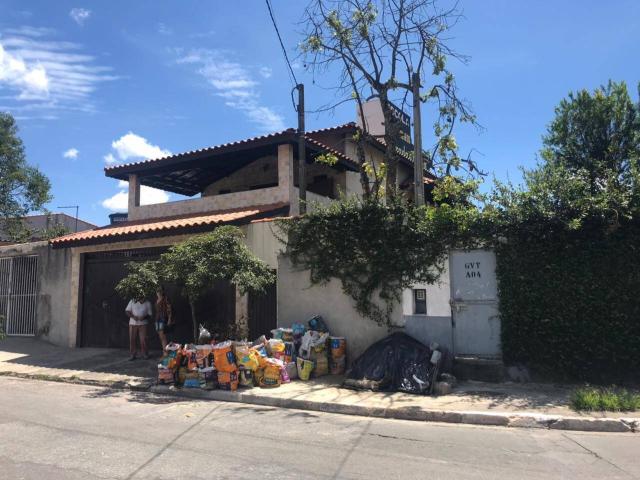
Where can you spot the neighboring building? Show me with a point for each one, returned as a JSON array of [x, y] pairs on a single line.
[[116, 218], [38, 225]]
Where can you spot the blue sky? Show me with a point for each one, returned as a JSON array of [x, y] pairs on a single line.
[[98, 82]]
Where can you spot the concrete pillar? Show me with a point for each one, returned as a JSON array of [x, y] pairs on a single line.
[[242, 314], [134, 192], [285, 177]]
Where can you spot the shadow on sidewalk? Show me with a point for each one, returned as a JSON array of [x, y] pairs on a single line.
[[31, 352]]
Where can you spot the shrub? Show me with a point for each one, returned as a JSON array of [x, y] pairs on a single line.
[[569, 304], [605, 399]]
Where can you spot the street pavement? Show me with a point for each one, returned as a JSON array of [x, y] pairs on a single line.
[[51, 430]]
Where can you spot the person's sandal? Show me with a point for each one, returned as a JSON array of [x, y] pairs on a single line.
[[132, 358]]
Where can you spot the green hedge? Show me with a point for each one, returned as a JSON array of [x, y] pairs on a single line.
[[570, 302]]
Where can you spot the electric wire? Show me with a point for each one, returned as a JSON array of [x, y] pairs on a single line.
[[284, 50]]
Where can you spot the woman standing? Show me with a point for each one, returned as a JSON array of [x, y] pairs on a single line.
[[164, 317]]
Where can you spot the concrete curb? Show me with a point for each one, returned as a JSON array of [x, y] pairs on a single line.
[[114, 384], [502, 419], [513, 420]]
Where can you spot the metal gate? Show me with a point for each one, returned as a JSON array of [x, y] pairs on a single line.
[[19, 294], [104, 323], [263, 312], [474, 305]]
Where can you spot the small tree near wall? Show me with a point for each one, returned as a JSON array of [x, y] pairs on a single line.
[[142, 281], [199, 262]]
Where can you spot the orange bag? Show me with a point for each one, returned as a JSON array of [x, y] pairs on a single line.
[[223, 358], [228, 380]]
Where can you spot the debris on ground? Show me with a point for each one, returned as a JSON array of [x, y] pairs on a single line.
[[398, 362]]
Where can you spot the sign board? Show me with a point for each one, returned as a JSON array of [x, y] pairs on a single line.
[[473, 275], [374, 120]]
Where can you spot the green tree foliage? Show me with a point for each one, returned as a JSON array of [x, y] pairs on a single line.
[[57, 230], [199, 262], [375, 46], [377, 250], [589, 169], [568, 263], [142, 281], [23, 188]]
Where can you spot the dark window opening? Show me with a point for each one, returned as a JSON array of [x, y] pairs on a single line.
[[419, 301], [321, 185]]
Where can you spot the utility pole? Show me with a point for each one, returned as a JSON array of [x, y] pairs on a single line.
[[418, 167], [302, 167]]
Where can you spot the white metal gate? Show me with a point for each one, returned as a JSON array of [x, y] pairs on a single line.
[[474, 303], [19, 294]]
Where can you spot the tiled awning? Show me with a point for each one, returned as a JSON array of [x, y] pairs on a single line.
[[160, 227], [189, 173]]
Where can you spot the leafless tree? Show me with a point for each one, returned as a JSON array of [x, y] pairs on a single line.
[[376, 45]]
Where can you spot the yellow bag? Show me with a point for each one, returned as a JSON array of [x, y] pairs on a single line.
[[249, 359], [271, 376], [258, 375], [305, 367]]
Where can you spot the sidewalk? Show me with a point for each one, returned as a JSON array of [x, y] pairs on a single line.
[[506, 404]]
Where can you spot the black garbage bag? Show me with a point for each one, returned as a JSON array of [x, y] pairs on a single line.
[[395, 363]]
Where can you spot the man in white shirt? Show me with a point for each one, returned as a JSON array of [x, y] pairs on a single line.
[[139, 312]]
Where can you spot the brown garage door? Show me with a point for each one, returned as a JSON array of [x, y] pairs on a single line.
[[104, 323]]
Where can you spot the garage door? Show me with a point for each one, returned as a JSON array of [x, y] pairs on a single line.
[[104, 323]]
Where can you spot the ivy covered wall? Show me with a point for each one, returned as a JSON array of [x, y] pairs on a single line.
[[570, 302]]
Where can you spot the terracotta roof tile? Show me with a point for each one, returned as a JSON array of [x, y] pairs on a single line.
[[213, 149], [203, 150], [170, 225]]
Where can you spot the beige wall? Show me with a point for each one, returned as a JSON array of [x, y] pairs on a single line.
[[263, 171], [261, 238], [251, 198], [54, 295], [298, 301]]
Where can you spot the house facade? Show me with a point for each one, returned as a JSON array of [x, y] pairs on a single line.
[[248, 183]]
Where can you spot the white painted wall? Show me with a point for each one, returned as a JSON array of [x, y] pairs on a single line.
[[298, 301], [261, 238], [438, 295]]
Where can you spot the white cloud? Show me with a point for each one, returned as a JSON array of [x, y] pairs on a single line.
[[30, 80], [235, 83], [164, 29], [109, 159], [80, 15], [132, 146], [46, 76], [266, 72], [71, 153], [119, 202]]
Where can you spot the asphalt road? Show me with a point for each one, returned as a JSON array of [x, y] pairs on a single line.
[[59, 431]]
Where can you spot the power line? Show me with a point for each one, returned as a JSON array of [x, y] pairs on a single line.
[[284, 50]]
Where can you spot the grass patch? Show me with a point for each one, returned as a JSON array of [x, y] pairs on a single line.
[[605, 399]]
